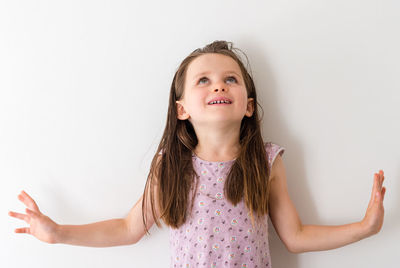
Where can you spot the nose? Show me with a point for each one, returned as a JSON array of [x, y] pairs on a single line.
[[219, 86]]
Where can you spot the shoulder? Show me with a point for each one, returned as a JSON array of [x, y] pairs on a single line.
[[274, 153], [273, 150], [278, 168]]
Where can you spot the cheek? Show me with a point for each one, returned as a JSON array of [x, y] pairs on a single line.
[[196, 102], [198, 98], [243, 105], [243, 102]]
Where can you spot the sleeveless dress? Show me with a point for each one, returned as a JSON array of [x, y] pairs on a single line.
[[216, 233]]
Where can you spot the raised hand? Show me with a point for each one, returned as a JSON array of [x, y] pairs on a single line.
[[373, 219], [40, 226]]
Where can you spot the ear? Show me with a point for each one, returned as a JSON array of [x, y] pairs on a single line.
[[250, 107], [180, 110]]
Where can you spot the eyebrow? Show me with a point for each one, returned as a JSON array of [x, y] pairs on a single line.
[[205, 73]]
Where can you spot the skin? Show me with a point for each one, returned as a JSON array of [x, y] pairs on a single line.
[[300, 238], [217, 126], [217, 129]]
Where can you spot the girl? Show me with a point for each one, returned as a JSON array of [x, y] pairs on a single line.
[[213, 180]]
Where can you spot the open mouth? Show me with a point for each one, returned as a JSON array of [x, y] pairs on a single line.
[[219, 102]]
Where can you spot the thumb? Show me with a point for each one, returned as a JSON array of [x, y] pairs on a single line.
[[383, 193]]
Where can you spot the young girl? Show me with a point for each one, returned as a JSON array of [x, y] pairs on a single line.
[[213, 180]]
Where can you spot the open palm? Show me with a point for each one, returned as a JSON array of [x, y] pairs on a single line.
[[40, 226], [373, 219]]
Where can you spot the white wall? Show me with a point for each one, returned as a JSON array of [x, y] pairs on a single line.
[[84, 93]]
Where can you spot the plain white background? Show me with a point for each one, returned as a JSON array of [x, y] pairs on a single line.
[[84, 93]]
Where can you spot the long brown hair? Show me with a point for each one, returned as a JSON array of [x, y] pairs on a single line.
[[171, 173]]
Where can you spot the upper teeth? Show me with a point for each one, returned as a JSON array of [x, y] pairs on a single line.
[[222, 101]]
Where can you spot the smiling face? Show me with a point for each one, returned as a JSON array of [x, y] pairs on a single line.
[[214, 76]]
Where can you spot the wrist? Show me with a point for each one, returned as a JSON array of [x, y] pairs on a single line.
[[364, 230], [58, 234]]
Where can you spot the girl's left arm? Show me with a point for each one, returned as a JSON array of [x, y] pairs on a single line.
[[302, 238]]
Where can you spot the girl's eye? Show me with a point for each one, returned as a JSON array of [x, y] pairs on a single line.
[[231, 77], [202, 79]]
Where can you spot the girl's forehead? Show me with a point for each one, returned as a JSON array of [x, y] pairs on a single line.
[[212, 62]]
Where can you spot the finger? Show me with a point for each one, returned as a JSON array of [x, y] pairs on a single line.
[[380, 179], [33, 206], [374, 187], [19, 216], [28, 201], [377, 197], [31, 213], [379, 182], [383, 193], [24, 230]]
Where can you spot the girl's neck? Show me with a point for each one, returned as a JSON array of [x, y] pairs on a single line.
[[218, 151], [218, 142]]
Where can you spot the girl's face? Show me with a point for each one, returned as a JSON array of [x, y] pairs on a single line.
[[212, 76]]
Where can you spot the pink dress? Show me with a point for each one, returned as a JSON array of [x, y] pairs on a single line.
[[218, 234]]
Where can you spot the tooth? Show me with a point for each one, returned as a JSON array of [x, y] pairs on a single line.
[[220, 101]]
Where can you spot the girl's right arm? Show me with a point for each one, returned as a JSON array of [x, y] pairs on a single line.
[[114, 232]]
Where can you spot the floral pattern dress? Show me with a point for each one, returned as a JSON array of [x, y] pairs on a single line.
[[217, 233]]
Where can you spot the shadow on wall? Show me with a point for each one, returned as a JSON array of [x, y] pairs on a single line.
[[280, 256], [273, 125], [391, 222]]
